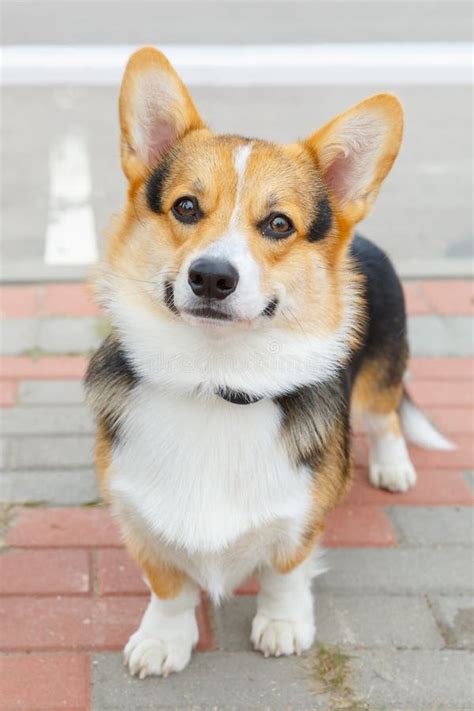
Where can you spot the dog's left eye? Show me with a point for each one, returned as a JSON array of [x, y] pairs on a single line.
[[277, 226], [186, 209]]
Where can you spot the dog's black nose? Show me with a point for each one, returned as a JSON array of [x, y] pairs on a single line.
[[212, 278]]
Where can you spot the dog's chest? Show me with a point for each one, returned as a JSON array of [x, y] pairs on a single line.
[[203, 475]]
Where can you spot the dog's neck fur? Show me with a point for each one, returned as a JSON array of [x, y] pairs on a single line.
[[308, 413], [262, 362]]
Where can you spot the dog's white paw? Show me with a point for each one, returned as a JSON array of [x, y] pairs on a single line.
[[281, 637], [399, 476], [151, 656]]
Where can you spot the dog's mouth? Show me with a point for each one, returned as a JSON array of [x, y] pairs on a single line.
[[209, 312]]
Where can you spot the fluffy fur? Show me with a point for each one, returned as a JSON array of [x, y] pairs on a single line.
[[207, 489]]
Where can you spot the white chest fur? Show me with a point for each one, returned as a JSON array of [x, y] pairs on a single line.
[[208, 478]]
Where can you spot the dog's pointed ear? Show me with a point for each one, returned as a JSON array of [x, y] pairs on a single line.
[[356, 150], [155, 111]]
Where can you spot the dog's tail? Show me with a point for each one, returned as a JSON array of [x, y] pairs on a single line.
[[418, 429]]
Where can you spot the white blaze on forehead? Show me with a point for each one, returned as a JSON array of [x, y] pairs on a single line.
[[247, 301], [241, 158]]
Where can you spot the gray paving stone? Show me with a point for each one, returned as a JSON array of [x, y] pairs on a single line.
[[376, 621], [215, 680], [455, 615], [55, 488], [469, 477], [347, 620], [3, 453], [396, 571], [232, 623], [441, 336], [68, 335], [48, 452], [435, 526], [18, 335], [46, 420], [51, 392], [413, 680]]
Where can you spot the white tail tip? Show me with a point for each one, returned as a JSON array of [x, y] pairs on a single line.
[[418, 429]]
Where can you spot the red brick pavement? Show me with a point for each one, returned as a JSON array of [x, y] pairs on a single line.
[[444, 297], [8, 393], [448, 297], [47, 300], [45, 682], [44, 368]]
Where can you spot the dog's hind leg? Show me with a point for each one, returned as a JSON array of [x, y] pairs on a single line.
[[390, 466], [376, 401]]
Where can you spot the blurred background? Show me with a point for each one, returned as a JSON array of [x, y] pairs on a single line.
[[274, 69]]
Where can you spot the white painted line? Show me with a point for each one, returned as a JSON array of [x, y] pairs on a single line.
[[71, 234], [245, 65]]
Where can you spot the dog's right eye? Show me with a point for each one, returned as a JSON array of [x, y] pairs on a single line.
[[186, 209]]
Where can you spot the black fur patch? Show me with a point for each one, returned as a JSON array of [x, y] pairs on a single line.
[[313, 417], [322, 223], [385, 336], [155, 186], [109, 381]]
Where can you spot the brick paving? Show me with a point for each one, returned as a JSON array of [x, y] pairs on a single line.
[[397, 598]]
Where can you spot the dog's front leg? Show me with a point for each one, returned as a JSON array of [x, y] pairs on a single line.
[[284, 623], [168, 631]]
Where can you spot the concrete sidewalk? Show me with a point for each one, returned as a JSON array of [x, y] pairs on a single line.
[[394, 611]]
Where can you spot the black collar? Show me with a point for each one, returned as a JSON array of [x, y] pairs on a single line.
[[237, 397]]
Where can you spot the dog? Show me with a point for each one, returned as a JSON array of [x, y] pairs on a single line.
[[248, 322]]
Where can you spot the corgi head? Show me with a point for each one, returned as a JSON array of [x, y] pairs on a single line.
[[228, 244]]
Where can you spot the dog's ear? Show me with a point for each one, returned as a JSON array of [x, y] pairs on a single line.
[[356, 150], [155, 111]]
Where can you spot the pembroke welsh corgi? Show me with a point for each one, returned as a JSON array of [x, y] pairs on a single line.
[[247, 321]]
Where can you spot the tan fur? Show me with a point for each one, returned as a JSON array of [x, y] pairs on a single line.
[[287, 178], [145, 64], [165, 580], [371, 395], [103, 458], [286, 563], [136, 255], [283, 176], [328, 145], [332, 482]]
